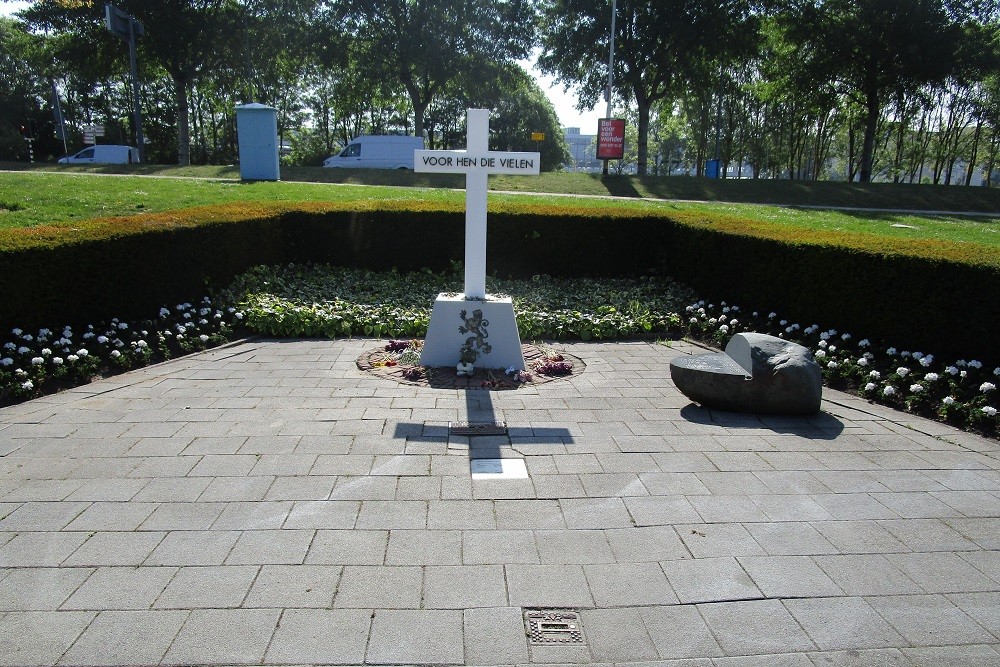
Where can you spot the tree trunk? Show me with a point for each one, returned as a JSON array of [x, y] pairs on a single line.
[[183, 131], [975, 152], [642, 141], [872, 109]]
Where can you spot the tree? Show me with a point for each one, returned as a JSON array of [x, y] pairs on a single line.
[[658, 46], [873, 49], [425, 44]]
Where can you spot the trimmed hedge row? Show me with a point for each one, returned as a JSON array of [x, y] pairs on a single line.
[[931, 295]]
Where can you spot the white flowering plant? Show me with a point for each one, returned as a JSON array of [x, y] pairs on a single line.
[[963, 392], [33, 364]]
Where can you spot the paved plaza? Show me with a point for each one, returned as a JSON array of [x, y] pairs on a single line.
[[268, 503]]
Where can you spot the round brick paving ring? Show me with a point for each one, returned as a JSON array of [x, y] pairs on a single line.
[[383, 363]]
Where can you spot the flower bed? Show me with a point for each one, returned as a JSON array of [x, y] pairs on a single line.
[[35, 364], [300, 300]]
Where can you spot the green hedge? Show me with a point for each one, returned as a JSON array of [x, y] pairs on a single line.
[[933, 296]]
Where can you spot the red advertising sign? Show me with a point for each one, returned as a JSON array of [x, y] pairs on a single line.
[[610, 138]]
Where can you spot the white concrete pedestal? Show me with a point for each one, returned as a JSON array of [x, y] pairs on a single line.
[[445, 335]]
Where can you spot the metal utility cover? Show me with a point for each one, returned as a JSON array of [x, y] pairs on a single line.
[[477, 428], [553, 627]]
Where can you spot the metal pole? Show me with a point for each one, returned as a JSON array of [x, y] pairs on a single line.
[[611, 70], [60, 121], [137, 111], [718, 126]]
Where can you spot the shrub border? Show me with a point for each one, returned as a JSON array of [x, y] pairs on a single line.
[[926, 294]]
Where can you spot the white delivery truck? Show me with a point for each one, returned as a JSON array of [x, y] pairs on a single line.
[[103, 154], [377, 152]]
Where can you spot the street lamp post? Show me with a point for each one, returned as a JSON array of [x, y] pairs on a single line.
[[125, 26], [611, 70]]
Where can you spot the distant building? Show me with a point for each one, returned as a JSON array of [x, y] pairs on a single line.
[[582, 149]]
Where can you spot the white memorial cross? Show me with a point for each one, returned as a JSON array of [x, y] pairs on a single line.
[[476, 162]]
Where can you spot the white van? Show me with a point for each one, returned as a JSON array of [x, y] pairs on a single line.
[[377, 152], [103, 154]]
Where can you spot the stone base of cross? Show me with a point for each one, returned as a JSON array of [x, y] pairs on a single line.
[[474, 320]]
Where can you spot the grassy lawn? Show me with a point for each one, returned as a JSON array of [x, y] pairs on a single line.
[[31, 197], [799, 193]]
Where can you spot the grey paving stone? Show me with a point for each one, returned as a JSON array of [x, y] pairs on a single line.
[[547, 586], [866, 574], [661, 510], [192, 547], [258, 547], [843, 623], [528, 514], [419, 488], [106, 516], [860, 537], [629, 584], [481, 547], [679, 632], [709, 580], [348, 547], [113, 490], [953, 656], [494, 636], [183, 516], [754, 627], [875, 657], [645, 544], [42, 516], [941, 572], [39, 589], [390, 514], [363, 488], [790, 539], [612, 485], [718, 540], [294, 586], [235, 489], [983, 607], [460, 514], [328, 636], [379, 587], [424, 547], [313, 487], [573, 547], [464, 586], [788, 576], [118, 548], [39, 637], [173, 490], [218, 587], [783, 507], [121, 588], [418, 636], [928, 535], [223, 636], [323, 514], [930, 620], [253, 516], [673, 483], [126, 638], [595, 513], [771, 660], [617, 635]]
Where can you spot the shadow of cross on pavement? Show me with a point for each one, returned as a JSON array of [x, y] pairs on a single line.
[[487, 436]]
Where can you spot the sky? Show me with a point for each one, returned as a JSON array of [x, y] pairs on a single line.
[[564, 103]]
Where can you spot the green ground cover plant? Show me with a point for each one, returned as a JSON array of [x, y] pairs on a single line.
[[323, 300]]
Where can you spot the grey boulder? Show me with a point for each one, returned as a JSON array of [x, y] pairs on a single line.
[[757, 373]]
